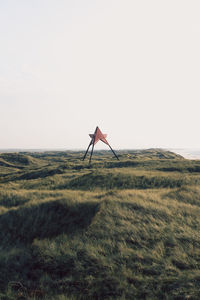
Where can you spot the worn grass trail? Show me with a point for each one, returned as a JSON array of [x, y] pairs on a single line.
[[119, 232]]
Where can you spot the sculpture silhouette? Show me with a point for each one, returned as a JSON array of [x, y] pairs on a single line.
[[95, 137]]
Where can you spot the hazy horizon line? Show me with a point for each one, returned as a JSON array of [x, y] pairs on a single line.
[[21, 149]]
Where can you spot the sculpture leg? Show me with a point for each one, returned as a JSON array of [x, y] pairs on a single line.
[[91, 152], [113, 152], [86, 151]]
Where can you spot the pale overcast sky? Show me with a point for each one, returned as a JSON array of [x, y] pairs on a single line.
[[130, 67]]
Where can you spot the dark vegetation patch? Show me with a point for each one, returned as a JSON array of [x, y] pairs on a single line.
[[187, 167], [18, 159], [46, 220], [42, 173], [4, 163], [12, 199]]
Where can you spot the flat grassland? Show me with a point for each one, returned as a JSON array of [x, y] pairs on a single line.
[[127, 229]]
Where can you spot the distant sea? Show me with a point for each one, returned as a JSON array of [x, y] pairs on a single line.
[[187, 153]]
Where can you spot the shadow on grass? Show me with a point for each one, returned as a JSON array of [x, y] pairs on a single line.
[[12, 199], [45, 220]]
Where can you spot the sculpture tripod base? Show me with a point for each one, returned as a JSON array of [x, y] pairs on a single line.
[[98, 135]]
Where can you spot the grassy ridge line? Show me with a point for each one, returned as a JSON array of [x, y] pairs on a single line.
[[20, 159], [46, 165], [110, 180], [123, 178]]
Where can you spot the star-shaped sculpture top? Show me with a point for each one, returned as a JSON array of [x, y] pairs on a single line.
[[98, 136], [95, 137]]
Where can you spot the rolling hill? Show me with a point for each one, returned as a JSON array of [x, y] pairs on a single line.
[[125, 229]]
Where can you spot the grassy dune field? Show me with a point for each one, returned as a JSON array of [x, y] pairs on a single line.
[[127, 229]]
